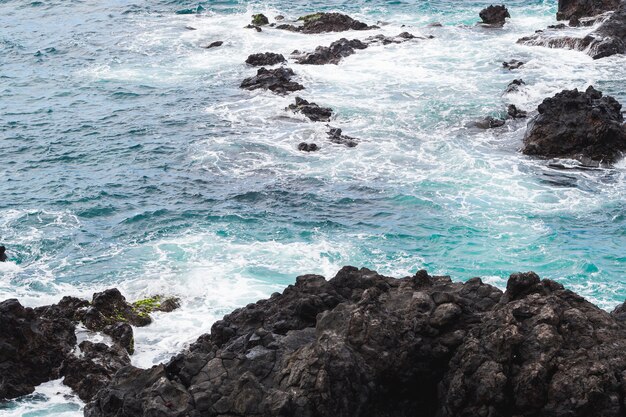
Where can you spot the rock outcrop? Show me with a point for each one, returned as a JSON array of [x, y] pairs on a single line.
[[214, 44], [609, 39], [331, 54], [277, 80], [336, 135], [582, 125], [568, 9], [326, 22], [513, 112], [265, 59], [259, 20], [494, 15], [514, 86], [489, 122], [362, 344], [312, 111], [3, 254], [308, 147]]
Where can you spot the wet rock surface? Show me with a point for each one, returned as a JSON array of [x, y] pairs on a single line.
[[276, 80], [362, 344], [326, 22], [312, 111], [308, 147], [214, 44], [265, 59], [335, 135], [514, 86], [489, 122], [3, 254], [512, 64], [331, 54], [568, 9], [582, 125], [513, 112], [494, 15]]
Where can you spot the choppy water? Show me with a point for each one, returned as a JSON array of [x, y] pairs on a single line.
[[131, 158]]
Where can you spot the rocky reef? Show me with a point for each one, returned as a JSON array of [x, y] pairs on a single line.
[[363, 344], [265, 59], [582, 125], [276, 80], [568, 9], [326, 22]]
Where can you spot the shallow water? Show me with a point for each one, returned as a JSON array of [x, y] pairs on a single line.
[[131, 158]]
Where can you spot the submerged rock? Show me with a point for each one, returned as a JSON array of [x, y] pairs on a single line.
[[214, 44], [255, 27], [514, 113], [266, 58], [494, 15], [277, 80], [580, 125], [568, 9], [336, 136], [312, 111], [326, 22], [331, 54], [513, 64], [489, 122], [386, 40], [308, 147], [514, 86]]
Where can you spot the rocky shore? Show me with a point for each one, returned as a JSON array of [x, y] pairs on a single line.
[[359, 344]]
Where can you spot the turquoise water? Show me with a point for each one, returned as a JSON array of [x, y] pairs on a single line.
[[131, 158]]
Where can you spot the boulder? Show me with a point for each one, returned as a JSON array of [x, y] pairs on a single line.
[[214, 44], [514, 86], [3, 254], [568, 9], [331, 54], [512, 64], [494, 15], [276, 80], [259, 19], [515, 113], [489, 122], [582, 125], [326, 22], [308, 147], [336, 136], [265, 59], [312, 111]]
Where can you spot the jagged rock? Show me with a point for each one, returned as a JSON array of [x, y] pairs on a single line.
[[514, 85], [308, 147], [489, 122], [311, 110], [514, 113], [93, 368], [558, 26], [581, 125], [255, 27], [276, 80], [259, 19], [326, 22], [331, 54], [609, 39], [386, 40], [494, 15], [267, 58], [568, 9], [110, 307], [336, 136], [513, 64], [214, 44], [3, 254], [32, 348]]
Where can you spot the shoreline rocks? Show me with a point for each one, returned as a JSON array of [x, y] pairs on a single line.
[[581, 125], [326, 22], [265, 59], [363, 344], [568, 9], [331, 54], [276, 80], [312, 111]]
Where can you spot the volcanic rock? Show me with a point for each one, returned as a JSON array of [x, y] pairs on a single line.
[[312, 111], [3, 254], [267, 58], [214, 44], [494, 15], [331, 54], [489, 122], [514, 85], [259, 19], [277, 80], [336, 136], [326, 22], [514, 113], [583, 8], [513, 64], [308, 147], [580, 125]]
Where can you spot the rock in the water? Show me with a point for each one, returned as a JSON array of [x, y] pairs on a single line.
[[332, 54], [32, 348], [494, 15], [277, 80], [259, 19], [255, 27], [308, 147], [514, 85], [326, 22], [266, 58], [386, 40], [91, 370], [214, 44], [580, 125], [514, 113], [513, 64], [336, 136], [568, 9], [110, 307], [3, 254], [279, 17], [609, 39], [489, 122], [311, 110]]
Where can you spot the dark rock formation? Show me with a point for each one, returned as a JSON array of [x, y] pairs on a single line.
[[514, 86], [336, 136], [494, 15], [367, 345], [609, 39], [312, 111], [277, 80], [581, 125], [568, 9], [259, 19], [214, 44], [93, 368], [308, 147], [267, 58], [32, 348], [3, 254], [255, 27], [514, 113], [489, 122], [331, 54], [386, 40], [513, 64], [326, 22]]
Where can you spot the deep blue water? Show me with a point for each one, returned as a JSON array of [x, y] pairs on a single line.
[[131, 158]]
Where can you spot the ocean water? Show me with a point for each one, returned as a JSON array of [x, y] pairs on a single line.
[[131, 158]]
